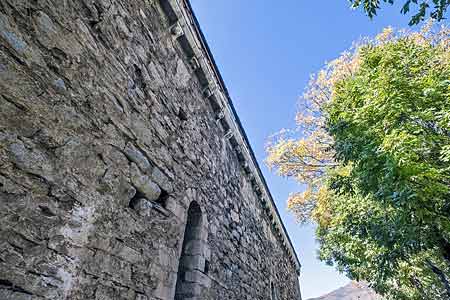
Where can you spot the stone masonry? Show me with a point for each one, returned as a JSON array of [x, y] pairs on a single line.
[[124, 170]]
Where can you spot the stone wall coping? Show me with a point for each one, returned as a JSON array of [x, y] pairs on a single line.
[[184, 24]]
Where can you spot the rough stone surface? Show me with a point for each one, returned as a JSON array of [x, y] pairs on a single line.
[[105, 139]]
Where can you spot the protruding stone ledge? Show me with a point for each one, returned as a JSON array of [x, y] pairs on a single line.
[[176, 30], [193, 62]]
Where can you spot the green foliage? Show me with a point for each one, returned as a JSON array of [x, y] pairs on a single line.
[[389, 219], [369, 241], [438, 9], [373, 149]]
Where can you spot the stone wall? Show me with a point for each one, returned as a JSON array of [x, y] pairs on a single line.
[[107, 141]]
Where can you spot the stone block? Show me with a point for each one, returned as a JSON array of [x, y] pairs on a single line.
[[195, 247], [193, 262], [144, 184], [162, 180], [190, 289], [164, 291], [136, 156], [176, 208], [235, 216], [142, 206], [198, 277]]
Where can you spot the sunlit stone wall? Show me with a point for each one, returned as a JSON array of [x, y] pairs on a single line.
[[107, 138]]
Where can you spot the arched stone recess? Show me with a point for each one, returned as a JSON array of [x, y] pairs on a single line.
[[274, 293], [193, 280]]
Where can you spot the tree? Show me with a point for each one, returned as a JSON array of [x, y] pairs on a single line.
[[372, 148], [369, 241], [437, 11]]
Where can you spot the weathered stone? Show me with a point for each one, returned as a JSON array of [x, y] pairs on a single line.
[[197, 277], [144, 184], [107, 143], [59, 84], [143, 206], [161, 180], [191, 289], [31, 160], [176, 208], [235, 216], [14, 40], [194, 262], [182, 75], [136, 156]]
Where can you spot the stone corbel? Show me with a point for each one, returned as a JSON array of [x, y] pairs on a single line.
[[220, 115], [263, 204], [257, 190], [208, 91], [176, 30], [228, 135], [209, 74], [263, 201], [194, 63], [240, 155], [253, 180], [246, 167]]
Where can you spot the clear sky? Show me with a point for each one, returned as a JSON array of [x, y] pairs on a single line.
[[265, 51]]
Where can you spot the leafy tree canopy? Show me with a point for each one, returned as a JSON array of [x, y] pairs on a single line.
[[435, 8], [372, 148]]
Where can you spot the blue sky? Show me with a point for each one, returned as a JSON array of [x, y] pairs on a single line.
[[265, 51]]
